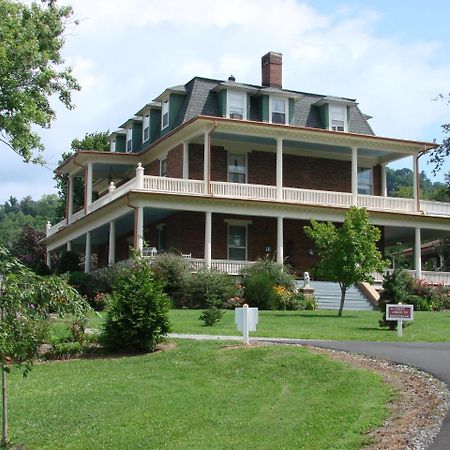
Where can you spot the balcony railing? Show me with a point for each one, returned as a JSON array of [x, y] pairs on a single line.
[[218, 189], [429, 276]]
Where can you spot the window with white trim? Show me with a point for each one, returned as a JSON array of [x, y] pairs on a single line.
[[163, 167], [338, 118], [365, 180], [279, 108], [145, 128], [237, 168], [237, 242], [129, 139], [236, 105], [165, 115]]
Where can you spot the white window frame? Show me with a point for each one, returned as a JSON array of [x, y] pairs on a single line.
[[243, 95], [165, 111], [371, 179], [342, 109], [163, 162], [229, 156], [146, 126], [129, 139], [242, 224], [286, 109]]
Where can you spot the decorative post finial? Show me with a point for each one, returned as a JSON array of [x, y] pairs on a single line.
[[111, 187], [139, 176]]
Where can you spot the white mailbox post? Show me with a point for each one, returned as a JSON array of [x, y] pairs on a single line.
[[246, 320]]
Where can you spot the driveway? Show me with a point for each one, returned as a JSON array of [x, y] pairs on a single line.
[[433, 358]]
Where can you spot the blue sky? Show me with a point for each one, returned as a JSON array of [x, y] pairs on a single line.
[[392, 56]]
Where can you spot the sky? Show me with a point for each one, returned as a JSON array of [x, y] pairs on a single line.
[[392, 56]]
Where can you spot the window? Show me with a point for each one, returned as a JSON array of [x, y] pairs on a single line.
[[163, 167], [129, 139], [237, 170], [278, 110], [146, 128], [237, 105], [237, 242], [165, 115], [365, 181], [338, 118]]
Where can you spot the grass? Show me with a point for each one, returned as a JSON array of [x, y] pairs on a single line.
[[322, 324], [198, 395]]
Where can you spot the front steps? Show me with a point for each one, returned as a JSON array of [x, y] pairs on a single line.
[[328, 296]]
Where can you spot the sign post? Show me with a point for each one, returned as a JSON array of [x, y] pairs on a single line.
[[400, 313], [246, 320]]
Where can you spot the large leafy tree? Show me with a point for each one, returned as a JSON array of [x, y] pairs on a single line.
[[97, 141], [31, 72], [348, 254]]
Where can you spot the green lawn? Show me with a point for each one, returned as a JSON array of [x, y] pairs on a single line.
[[354, 325], [198, 395]]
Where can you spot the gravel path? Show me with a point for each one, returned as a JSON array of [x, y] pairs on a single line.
[[432, 358]]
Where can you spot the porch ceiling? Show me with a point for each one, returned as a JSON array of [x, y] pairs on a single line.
[[394, 235]]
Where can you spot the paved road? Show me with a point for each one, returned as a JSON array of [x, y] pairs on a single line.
[[433, 358]]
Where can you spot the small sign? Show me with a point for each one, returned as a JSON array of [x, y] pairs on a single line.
[[399, 312]]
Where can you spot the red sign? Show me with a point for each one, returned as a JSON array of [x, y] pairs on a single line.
[[399, 312]]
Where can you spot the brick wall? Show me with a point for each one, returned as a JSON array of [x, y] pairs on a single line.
[[152, 168], [175, 162], [196, 161], [261, 168], [377, 180]]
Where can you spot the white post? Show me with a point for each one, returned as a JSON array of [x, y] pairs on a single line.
[[87, 253], [88, 187], [418, 254], [279, 169], [354, 176], [399, 328], [280, 239], [185, 160], [206, 162], [208, 227], [139, 176], [245, 324], [47, 228], [139, 230], [48, 260], [383, 180], [112, 243], [69, 246], [416, 181], [69, 199]]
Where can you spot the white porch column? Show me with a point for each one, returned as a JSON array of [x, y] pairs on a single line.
[[383, 180], [206, 162], [112, 243], [280, 241], [48, 260], [279, 169], [185, 160], [139, 229], [87, 253], [88, 180], [69, 246], [208, 228], [418, 254], [69, 199], [354, 176], [416, 181]]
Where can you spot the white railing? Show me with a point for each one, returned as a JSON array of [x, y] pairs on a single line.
[[309, 196], [230, 267], [78, 215], [437, 208], [240, 190], [386, 203], [174, 185], [429, 276], [110, 196], [53, 229]]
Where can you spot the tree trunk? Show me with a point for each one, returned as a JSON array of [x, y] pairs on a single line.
[[4, 410], [341, 306]]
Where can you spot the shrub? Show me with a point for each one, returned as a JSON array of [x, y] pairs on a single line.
[[68, 262], [281, 274], [138, 313], [259, 291], [294, 300], [211, 316], [89, 286], [65, 349], [173, 270], [210, 287]]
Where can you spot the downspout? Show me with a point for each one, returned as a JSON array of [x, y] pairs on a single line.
[[209, 156]]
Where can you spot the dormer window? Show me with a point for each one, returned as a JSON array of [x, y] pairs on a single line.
[[279, 110], [338, 118], [237, 105], [129, 139], [165, 115], [146, 128]]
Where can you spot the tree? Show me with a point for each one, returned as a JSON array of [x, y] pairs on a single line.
[[438, 156], [97, 141], [28, 248], [31, 72], [26, 301], [348, 255]]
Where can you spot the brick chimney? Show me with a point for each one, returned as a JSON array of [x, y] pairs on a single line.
[[271, 72]]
